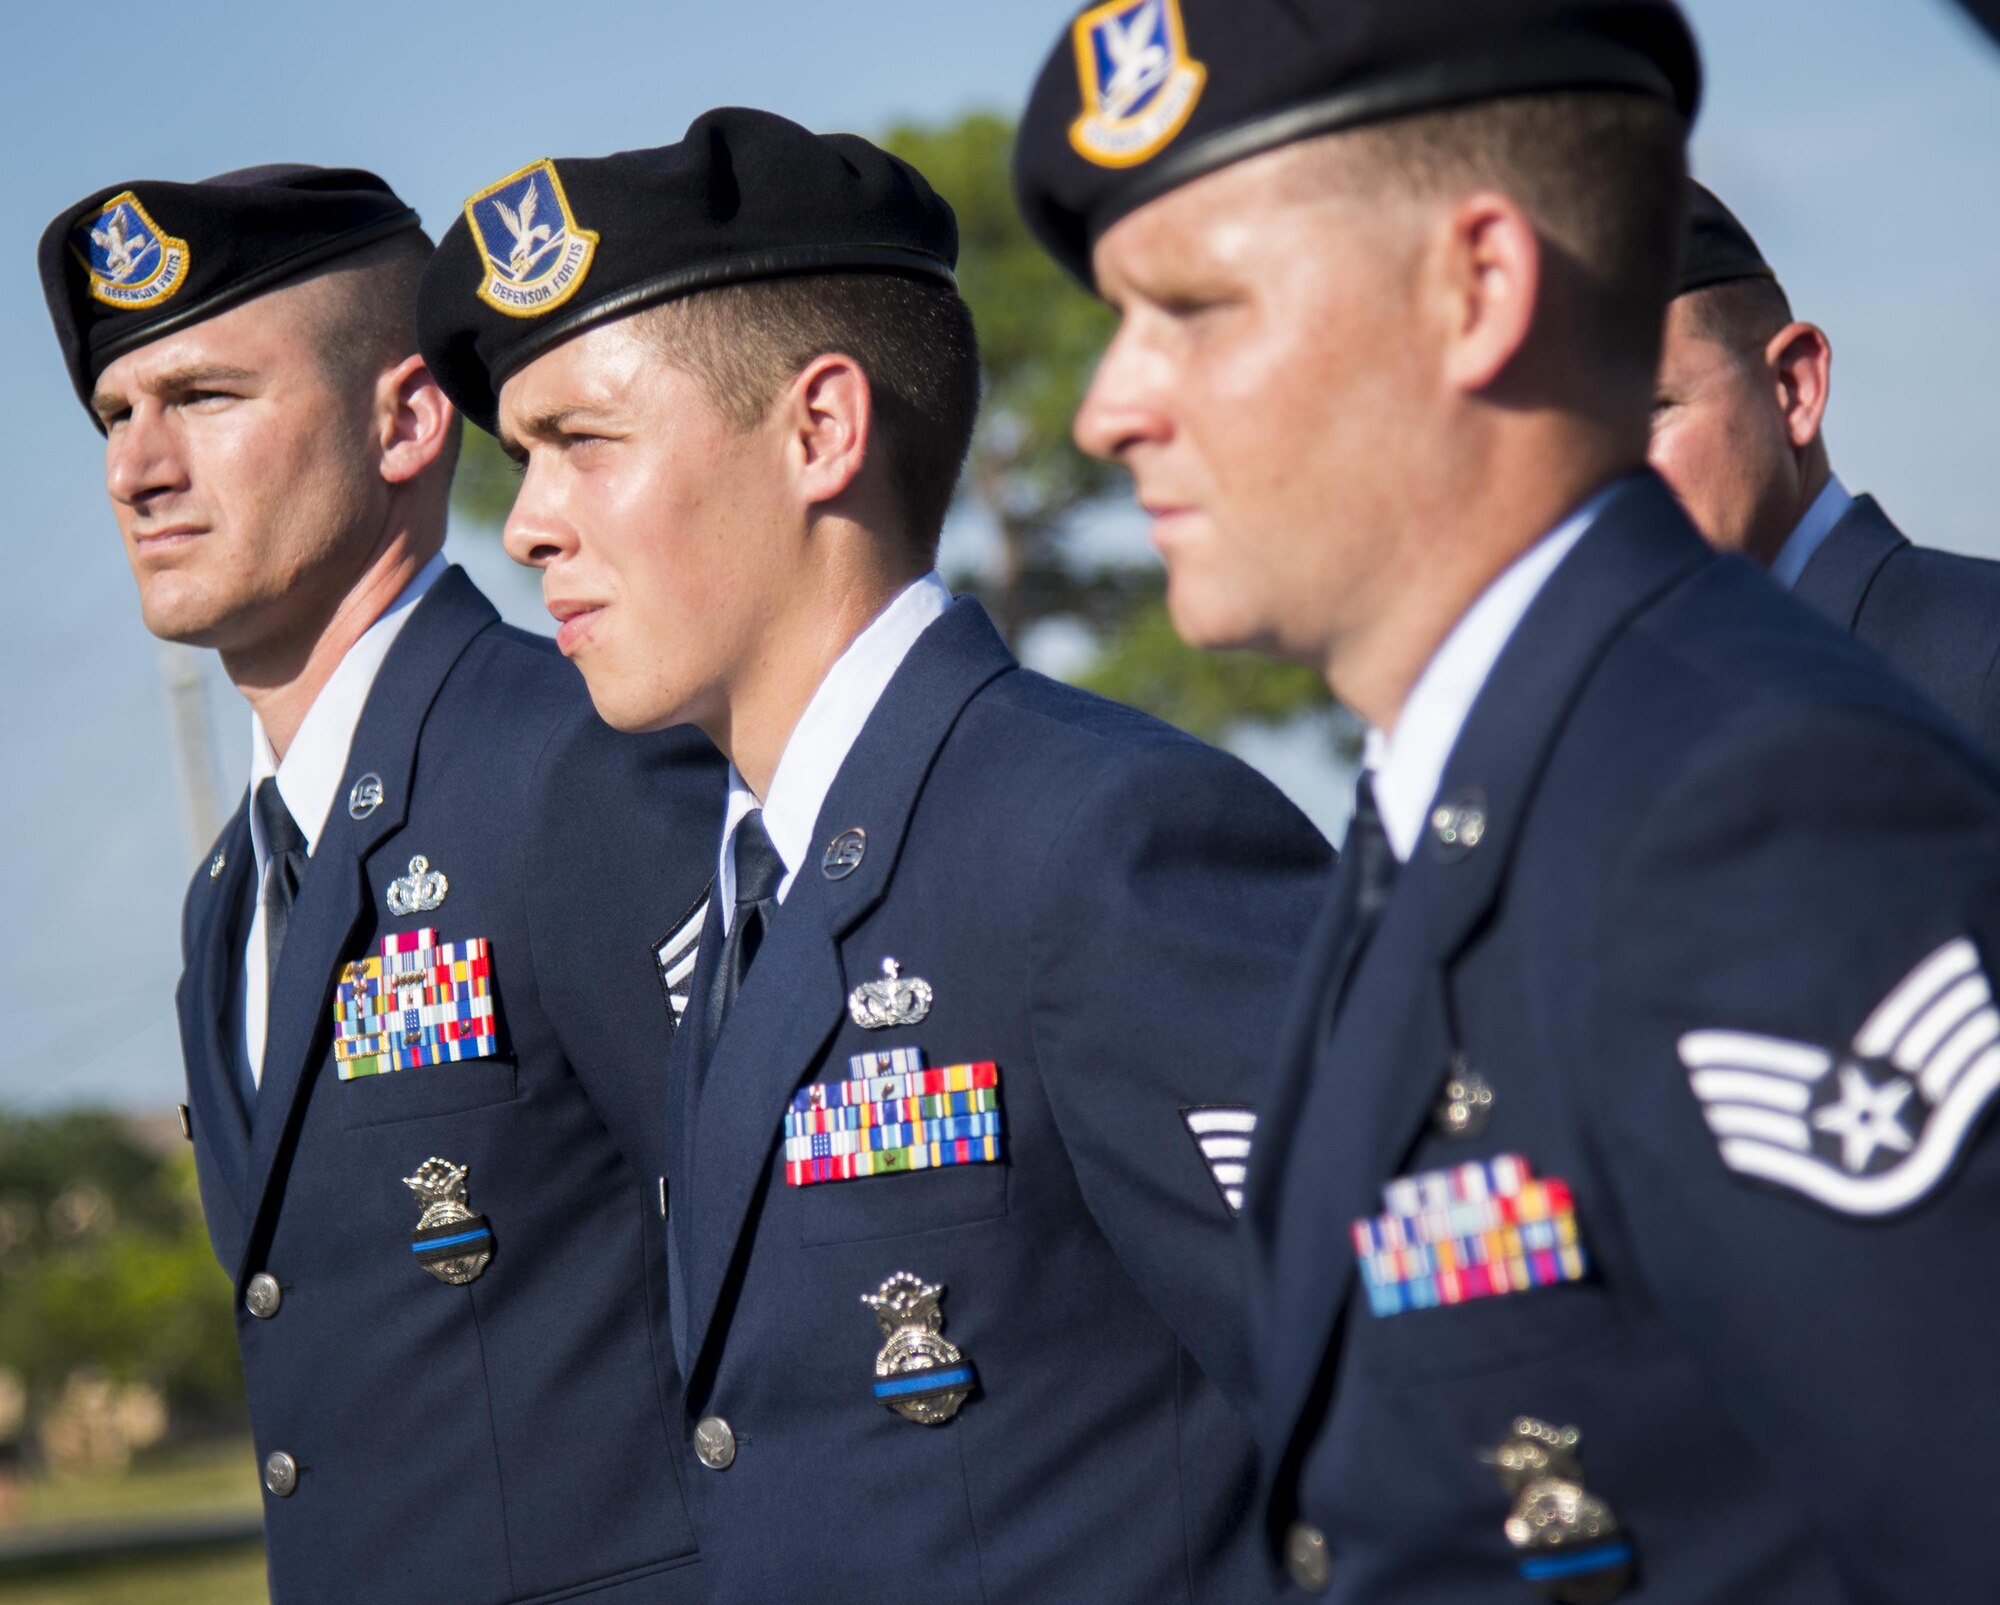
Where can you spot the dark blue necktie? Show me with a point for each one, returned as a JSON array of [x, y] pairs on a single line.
[[759, 873]]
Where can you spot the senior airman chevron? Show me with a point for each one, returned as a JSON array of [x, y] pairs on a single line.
[[892, 1115], [416, 1003], [1474, 1231]]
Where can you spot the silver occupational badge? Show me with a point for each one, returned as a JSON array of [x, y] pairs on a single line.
[[877, 1005], [420, 891], [366, 796], [1566, 1541], [918, 1375], [450, 1242]]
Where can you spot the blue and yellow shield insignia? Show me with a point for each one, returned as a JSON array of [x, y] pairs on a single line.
[[536, 257], [133, 262], [1139, 83]]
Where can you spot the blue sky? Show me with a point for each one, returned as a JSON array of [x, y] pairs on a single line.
[[1858, 138]]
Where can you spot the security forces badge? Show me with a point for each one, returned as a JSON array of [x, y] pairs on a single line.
[[132, 261], [1876, 1128], [450, 1241], [535, 254], [1139, 83]]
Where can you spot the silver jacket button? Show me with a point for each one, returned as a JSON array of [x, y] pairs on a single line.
[[1306, 1557], [263, 1296], [281, 1474], [714, 1443]]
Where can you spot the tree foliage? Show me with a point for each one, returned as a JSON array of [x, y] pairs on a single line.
[[104, 1262]]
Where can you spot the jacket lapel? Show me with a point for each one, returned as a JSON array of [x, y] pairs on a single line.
[[794, 996], [202, 1002], [1388, 1048], [334, 898], [1838, 578]]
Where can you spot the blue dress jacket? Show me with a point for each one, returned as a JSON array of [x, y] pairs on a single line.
[[1706, 908], [1107, 912], [1934, 615], [511, 1439]]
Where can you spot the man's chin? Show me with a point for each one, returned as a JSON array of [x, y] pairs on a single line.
[[628, 710]]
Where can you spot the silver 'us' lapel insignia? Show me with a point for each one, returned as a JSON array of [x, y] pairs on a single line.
[[450, 1242], [893, 1000], [420, 891], [1874, 1129], [366, 796], [919, 1375]]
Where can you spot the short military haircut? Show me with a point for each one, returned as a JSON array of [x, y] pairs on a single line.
[[364, 315], [1602, 175], [1741, 316], [912, 337]]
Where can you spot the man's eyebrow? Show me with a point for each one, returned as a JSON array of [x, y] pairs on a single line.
[[547, 424], [189, 376]]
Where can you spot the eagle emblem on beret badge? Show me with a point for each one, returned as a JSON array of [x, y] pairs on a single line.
[[133, 263], [1139, 83], [536, 256]]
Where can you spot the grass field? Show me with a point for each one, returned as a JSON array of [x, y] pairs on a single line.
[[208, 1480], [232, 1577]]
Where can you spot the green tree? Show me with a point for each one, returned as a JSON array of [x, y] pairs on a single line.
[[104, 1261]]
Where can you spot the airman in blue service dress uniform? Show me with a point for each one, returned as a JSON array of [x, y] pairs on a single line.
[[1613, 1201], [1736, 433], [963, 1096], [415, 1004]]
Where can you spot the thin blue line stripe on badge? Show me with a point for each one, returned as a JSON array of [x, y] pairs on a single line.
[[958, 1376], [451, 1242], [1572, 1565]]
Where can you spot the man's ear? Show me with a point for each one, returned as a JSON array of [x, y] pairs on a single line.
[[413, 420], [830, 419], [1799, 358], [1485, 279]]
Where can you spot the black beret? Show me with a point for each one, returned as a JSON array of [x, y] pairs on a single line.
[[135, 261], [565, 244], [1141, 96], [1719, 248]]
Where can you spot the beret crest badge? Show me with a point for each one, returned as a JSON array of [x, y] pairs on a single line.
[[535, 254], [1139, 83], [133, 263]]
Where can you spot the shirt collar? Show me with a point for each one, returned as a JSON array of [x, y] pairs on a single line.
[[317, 758], [1408, 763], [1829, 507], [826, 732]]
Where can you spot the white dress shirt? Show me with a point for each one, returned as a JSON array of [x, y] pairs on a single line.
[[310, 775], [1829, 508], [825, 734], [1407, 763]]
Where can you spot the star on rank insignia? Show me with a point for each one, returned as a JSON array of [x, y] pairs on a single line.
[[450, 1242], [1874, 1129], [536, 256], [919, 1375], [1139, 84], [132, 261]]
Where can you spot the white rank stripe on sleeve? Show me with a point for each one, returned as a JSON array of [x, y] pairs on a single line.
[[1222, 1132], [1872, 1130], [677, 955]]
